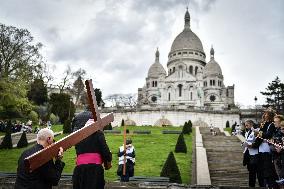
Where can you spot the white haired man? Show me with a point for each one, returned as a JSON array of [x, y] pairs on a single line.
[[47, 175]]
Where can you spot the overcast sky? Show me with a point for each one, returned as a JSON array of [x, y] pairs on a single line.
[[115, 40]]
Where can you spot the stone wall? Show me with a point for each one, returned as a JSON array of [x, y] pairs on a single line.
[[177, 118]]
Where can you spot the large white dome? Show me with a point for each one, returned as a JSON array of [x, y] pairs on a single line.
[[187, 39]]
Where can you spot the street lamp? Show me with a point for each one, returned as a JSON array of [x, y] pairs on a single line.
[[70, 102], [255, 101]]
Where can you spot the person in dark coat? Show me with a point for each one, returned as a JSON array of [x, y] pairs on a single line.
[[48, 174], [266, 166], [91, 152]]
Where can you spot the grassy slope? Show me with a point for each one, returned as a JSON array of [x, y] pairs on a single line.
[[151, 153]]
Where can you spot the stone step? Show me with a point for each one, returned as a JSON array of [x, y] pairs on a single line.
[[224, 156]]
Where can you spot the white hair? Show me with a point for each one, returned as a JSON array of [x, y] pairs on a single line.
[[44, 133]]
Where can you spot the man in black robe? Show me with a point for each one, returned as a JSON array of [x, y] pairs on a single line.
[[91, 153], [48, 174]]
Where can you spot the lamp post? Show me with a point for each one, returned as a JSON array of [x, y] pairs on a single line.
[[255, 101], [71, 100]]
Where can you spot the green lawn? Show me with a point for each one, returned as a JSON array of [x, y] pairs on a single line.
[[151, 153], [229, 129]]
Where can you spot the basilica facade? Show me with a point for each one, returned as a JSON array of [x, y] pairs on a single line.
[[189, 82]]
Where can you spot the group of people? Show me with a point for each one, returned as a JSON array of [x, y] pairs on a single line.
[[264, 150], [15, 127], [93, 156]]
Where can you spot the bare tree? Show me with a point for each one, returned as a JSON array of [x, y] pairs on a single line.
[[47, 71], [65, 82], [78, 85]]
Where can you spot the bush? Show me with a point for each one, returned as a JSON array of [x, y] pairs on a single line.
[[7, 141], [62, 106], [23, 142], [170, 169], [122, 122], [108, 127], [33, 116], [186, 129], [53, 119], [181, 145], [227, 124], [67, 126], [190, 126]]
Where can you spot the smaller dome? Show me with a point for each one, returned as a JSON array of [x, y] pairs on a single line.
[[156, 69], [212, 67]]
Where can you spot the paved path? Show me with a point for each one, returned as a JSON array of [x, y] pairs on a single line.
[[31, 137]]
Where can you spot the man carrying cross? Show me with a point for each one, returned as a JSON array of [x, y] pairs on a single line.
[[85, 139], [45, 176], [91, 153]]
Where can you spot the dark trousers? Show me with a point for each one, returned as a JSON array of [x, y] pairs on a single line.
[[128, 173], [267, 170], [89, 176], [254, 171]]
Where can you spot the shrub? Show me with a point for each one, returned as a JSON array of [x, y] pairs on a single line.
[[181, 145], [53, 119], [190, 126], [67, 126], [33, 116], [7, 141], [170, 169], [23, 142], [108, 127], [227, 124], [122, 122], [186, 129]]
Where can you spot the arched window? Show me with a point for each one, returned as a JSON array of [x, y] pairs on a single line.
[[174, 69], [190, 69], [169, 96], [170, 71], [190, 95], [179, 89], [196, 68], [153, 84], [210, 82], [156, 83], [213, 82], [180, 71]]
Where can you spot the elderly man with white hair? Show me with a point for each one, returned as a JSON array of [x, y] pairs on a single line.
[[47, 175]]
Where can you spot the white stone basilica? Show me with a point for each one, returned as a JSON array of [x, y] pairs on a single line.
[[190, 82]]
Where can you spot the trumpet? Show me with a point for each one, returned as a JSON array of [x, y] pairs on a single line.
[[281, 146]]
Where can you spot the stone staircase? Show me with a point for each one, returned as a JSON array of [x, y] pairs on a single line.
[[224, 155]]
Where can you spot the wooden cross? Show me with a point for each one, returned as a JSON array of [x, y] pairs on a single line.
[[41, 157]]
